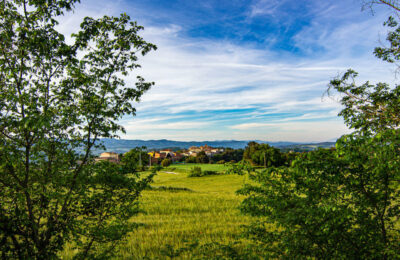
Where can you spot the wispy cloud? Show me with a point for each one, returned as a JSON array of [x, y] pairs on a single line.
[[209, 88], [265, 7]]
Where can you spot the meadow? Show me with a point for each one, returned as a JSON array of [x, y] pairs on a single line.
[[186, 167], [203, 209]]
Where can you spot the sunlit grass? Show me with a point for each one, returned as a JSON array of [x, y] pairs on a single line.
[[188, 166], [208, 213]]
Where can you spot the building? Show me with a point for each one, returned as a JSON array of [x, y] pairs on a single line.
[[157, 157], [209, 151], [109, 156]]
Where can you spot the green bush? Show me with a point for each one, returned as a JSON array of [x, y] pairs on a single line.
[[221, 162], [190, 159], [166, 162], [205, 173], [195, 172]]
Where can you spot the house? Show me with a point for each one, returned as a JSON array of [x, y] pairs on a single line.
[[209, 151], [157, 157], [109, 156]]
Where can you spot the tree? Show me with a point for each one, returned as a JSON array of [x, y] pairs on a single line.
[[202, 157], [229, 154], [340, 203], [263, 155], [57, 99], [136, 158]]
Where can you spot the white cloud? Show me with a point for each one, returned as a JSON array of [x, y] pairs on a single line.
[[200, 75]]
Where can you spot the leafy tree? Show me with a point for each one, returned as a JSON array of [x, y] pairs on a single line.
[[341, 203], [229, 154], [202, 157], [55, 99], [136, 159], [263, 155]]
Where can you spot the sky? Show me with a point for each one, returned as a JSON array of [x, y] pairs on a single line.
[[246, 69]]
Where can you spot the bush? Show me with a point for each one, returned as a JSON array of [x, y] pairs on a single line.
[[190, 159], [166, 162], [221, 162], [205, 173], [195, 172], [169, 188]]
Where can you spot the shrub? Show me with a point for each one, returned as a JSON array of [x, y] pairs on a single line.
[[205, 173], [221, 162], [195, 172], [166, 162], [190, 159]]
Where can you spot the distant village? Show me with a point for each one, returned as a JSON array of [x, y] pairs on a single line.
[[155, 157]]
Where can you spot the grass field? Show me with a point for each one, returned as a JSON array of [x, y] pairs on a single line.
[[185, 168], [207, 213]]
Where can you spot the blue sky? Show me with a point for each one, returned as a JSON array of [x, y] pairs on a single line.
[[246, 70]]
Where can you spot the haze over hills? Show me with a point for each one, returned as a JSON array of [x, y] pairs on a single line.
[[123, 145]]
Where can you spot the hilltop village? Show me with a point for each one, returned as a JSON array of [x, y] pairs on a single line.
[[155, 157]]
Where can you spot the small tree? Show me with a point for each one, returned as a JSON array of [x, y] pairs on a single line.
[[136, 159], [166, 162], [263, 155], [57, 99]]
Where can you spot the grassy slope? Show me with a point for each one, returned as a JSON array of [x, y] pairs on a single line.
[[208, 214]]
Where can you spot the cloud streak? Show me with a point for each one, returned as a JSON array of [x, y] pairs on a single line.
[[211, 88]]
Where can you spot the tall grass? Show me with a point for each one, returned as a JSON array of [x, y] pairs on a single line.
[[178, 210], [204, 167], [208, 213]]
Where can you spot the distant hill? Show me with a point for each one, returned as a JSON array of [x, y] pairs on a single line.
[[307, 147], [123, 145]]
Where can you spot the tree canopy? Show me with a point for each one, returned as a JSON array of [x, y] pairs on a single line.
[[341, 203], [57, 99]]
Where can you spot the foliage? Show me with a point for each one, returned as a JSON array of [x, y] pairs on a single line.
[[221, 162], [206, 173], [263, 154], [369, 109], [195, 172], [241, 168], [169, 188], [190, 159], [58, 98], [187, 167], [289, 157], [229, 154], [166, 162], [331, 204], [155, 168], [202, 157], [341, 203], [136, 159]]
